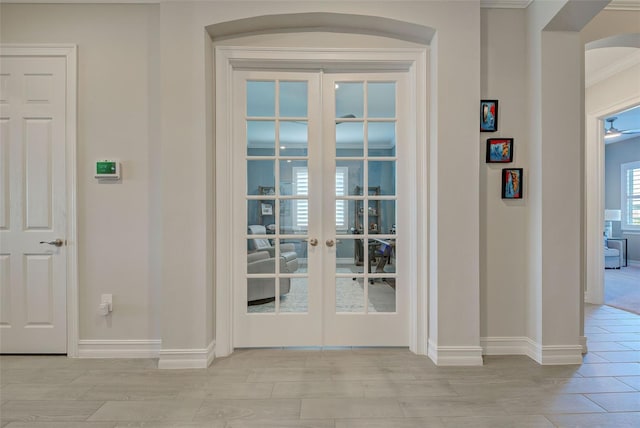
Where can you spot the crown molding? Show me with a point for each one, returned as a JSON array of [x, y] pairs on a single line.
[[505, 4], [495, 4], [624, 5], [487, 4], [613, 69]]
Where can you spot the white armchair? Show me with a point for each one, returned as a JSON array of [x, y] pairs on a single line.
[[612, 254], [287, 251], [261, 289]]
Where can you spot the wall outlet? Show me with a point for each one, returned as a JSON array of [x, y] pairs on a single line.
[[108, 300]]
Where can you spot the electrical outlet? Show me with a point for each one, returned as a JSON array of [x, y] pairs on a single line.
[[108, 299]]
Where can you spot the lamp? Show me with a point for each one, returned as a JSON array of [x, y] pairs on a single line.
[[609, 216]]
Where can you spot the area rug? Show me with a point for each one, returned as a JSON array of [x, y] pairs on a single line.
[[349, 297], [622, 288]]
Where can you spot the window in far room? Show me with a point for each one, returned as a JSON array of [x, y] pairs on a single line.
[[301, 206], [630, 202]]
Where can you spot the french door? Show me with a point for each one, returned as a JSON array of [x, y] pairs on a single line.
[[320, 203]]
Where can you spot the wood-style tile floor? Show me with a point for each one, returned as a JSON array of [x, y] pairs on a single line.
[[366, 388]]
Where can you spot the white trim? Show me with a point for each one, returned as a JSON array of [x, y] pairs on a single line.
[[455, 355], [70, 53], [623, 5], [505, 345], [119, 348], [612, 69], [505, 4], [187, 358], [224, 219], [551, 355], [409, 59], [545, 355]]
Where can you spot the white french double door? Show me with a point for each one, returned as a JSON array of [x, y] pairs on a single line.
[[320, 200]]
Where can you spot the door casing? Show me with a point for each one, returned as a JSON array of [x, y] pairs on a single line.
[[415, 63], [69, 53]]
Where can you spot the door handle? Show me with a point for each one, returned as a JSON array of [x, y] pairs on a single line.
[[57, 243], [329, 242], [313, 242]]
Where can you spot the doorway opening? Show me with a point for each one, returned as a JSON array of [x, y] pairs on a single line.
[[329, 242]]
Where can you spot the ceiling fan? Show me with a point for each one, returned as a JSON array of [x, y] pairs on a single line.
[[613, 132]]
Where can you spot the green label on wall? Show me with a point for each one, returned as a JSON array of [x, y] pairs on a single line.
[[105, 167]]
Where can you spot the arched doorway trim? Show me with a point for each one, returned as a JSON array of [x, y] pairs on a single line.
[[322, 21]]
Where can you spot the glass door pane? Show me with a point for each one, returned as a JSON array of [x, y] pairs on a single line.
[[277, 196], [365, 171]]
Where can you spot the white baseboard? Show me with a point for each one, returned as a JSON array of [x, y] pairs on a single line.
[[545, 355], [119, 348], [187, 358], [505, 345], [557, 354], [583, 343], [454, 355]]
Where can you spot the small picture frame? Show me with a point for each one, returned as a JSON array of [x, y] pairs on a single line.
[[499, 150], [512, 183], [488, 115], [266, 209]]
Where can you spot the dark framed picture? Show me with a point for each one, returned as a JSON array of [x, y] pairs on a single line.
[[512, 182], [488, 115], [499, 150]]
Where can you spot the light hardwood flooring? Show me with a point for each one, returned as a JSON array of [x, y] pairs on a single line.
[[372, 388]]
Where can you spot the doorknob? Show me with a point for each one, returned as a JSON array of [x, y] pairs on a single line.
[[57, 243], [313, 242], [329, 242]]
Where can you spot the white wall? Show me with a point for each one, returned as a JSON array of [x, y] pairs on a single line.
[[117, 118], [457, 24], [145, 97], [503, 223]]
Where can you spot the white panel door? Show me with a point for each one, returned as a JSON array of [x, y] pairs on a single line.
[[33, 256]]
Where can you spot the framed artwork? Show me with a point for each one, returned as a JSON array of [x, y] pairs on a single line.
[[512, 183], [488, 115], [267, 209], [499, 150]]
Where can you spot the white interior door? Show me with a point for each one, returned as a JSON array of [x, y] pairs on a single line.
[[308, 147], [33, 315], [364, 210]]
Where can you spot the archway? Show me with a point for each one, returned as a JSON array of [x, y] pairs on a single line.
[[297, 26], [606, 100]]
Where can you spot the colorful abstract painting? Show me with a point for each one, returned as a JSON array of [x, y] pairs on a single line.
[[488, 115], [499, 150], [512, 182]]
